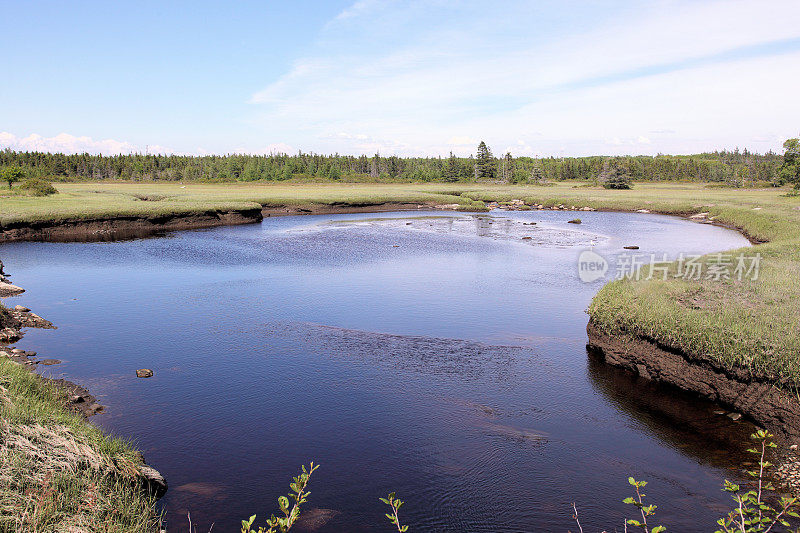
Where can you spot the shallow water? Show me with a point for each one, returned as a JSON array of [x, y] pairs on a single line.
[[437, 355]]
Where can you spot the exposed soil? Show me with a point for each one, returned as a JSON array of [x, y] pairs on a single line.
[[123, 227], [761, 401], [328, 209], [114, 228]]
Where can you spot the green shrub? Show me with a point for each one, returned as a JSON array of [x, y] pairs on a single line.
[[37, 187]]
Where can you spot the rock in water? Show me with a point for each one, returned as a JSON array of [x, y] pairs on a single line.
[[574, 221], [144, 373], [631, 247], [152, 480]]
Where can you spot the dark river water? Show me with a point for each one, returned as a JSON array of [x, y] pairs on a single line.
[[438, 355]]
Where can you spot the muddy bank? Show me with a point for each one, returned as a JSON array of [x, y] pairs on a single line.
[[761, 401], [123, 227], [344, 208]]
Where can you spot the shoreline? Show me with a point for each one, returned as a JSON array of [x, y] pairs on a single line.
[[124, 227], [618, 347], [761, 401], [758, 400], [144, 482]]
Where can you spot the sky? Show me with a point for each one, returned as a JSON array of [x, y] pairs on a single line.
[[535, 78]]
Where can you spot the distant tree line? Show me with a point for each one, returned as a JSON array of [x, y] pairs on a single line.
[[738, 168]]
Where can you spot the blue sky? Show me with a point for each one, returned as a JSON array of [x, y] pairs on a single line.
[[400, 77]]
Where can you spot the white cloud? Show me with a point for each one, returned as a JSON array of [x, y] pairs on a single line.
[[463, 140], [432, 88], [272, 149], [70, 144]]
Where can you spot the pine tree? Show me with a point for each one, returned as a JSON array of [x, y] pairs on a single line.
[[508, 168], [614, 176], [484, 163], [451, 170]]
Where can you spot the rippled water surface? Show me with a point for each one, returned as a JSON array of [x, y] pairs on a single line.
[[438, 355]]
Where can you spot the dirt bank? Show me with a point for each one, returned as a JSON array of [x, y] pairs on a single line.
[[122, 227], [760, 401], [334, 208], [128, 227]]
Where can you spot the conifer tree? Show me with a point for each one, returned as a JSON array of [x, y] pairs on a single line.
[[484, 163]]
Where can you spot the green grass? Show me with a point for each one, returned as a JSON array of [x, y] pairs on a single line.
[[90, 200], [58, 472]]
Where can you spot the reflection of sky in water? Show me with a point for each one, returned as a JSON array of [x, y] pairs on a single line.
[[488, 226], [438, 355]]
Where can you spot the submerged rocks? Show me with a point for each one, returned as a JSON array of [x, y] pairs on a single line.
[[144, 373]]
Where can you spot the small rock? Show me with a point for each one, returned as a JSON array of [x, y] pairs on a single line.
[[631, 247], [95, 408], [153, 481], [77, 398], [642, 211], [793, 447], [17, 351], [49, 362], [574, 221], [734, 416], [144, 373], [21, 308], [526, 238], [719, 412]]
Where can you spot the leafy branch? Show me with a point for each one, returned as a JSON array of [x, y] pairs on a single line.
[[299, 494], [395, 504]]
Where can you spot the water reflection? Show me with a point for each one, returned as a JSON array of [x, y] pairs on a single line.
[[693, 425]]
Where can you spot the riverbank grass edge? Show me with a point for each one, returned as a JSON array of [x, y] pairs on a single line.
[[59, 472]]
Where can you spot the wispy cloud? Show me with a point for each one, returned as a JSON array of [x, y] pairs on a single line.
[[426, 75]]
